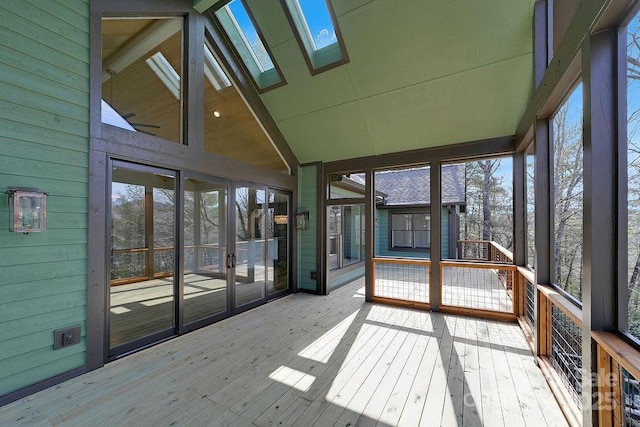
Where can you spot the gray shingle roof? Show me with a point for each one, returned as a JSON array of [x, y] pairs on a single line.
[[406, 187]]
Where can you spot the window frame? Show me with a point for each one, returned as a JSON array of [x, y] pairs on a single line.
[[413, 212], [325, 58], [261, 78]]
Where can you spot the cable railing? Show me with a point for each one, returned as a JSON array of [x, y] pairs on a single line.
[[404, 280]]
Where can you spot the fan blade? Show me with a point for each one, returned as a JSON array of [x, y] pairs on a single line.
[[145, 125]]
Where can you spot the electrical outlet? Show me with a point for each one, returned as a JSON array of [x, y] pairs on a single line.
[[66, 337]]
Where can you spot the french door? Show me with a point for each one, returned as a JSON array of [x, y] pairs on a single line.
[[188, 251]]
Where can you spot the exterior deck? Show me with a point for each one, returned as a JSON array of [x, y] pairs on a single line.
[[308, 360]]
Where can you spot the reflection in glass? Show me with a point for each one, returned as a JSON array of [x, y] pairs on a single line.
[[531, 209], [278, 243], [633, 171], [346, 235], [347, 186], [205, 249], [142, 250], [568, 194], [250, 268], [141, 75]]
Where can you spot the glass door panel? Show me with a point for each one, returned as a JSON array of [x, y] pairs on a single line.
[[205, 249], [249, 259], [278, 243], [142, 287]]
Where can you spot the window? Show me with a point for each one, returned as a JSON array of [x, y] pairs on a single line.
[[347, 186], [568, 195], [531, 208], [346, 235], [229, 124], [243, 33], [410, 231], [633, 178], [316, 30], [141, 75]]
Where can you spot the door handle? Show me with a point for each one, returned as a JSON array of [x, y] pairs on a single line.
[[233, 260], [228, 260]]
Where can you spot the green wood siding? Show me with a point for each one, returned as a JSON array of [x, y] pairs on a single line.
[[44, 143], [444, 232], [339, 277], [307, 202]]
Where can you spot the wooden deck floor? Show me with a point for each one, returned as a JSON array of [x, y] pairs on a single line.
[[313, 361]]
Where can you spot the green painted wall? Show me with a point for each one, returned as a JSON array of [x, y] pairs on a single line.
[[44, 131], [382, 236], [339, 278], [307, 202]]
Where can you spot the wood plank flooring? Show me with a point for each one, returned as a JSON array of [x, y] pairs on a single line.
[[306, 360]]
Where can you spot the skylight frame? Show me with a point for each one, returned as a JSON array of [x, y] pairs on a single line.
[[318, 60], [213, 70], [165, 72], [264, 79]]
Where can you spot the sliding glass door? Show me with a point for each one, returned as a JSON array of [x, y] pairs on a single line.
[[234, 252], [142, 280], [205, 249]]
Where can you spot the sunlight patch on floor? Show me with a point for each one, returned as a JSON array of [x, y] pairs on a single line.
[[321, 349], [293, 378]]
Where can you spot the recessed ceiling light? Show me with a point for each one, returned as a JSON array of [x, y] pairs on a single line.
[[216, 114]]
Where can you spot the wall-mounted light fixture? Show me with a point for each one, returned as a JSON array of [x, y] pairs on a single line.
[[27, 210], [302, 220]]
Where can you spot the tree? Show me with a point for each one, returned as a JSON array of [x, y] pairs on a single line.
[[489, 211], [568, 195]]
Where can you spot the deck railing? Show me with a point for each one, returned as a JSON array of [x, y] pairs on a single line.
[[618, 388], [483, 250], [556, 337], [402, 281], [478, 288]]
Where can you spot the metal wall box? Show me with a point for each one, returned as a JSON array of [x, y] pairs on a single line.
[[27, 210]]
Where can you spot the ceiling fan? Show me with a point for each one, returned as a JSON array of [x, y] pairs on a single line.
[[137, 126]]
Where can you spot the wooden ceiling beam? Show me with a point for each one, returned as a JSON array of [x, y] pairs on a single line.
[[139, 45]]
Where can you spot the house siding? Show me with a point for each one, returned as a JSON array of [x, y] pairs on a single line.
[[382, 236], [44, 143], [307, 202]]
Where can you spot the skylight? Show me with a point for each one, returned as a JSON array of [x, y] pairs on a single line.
[[316, 30], [317, 22], [250, 38], [243, 33]]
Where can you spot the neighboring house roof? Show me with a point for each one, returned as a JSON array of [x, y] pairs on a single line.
[[407, 187]]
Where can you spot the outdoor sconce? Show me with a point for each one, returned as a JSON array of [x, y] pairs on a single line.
[[302, 220], [27, 210]]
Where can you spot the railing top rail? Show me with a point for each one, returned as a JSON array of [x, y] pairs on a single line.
[[563, 303], [620, 350], [502, 249], [527, 274], [416, 261], [471, 264]]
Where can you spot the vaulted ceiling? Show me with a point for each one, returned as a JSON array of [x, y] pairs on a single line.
[[422, 74]]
